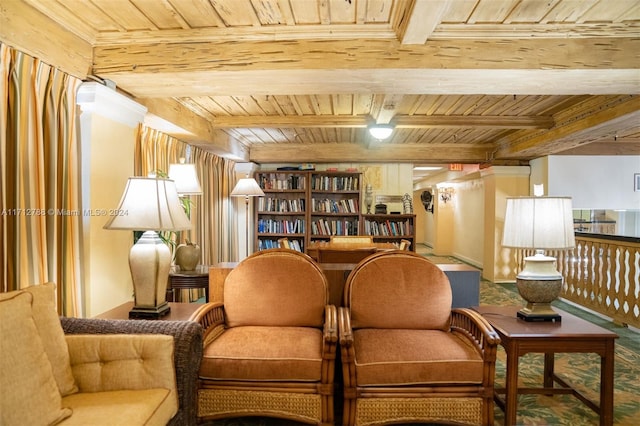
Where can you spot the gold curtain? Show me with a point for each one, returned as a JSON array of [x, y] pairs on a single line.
[[40, 180], [212, 215]]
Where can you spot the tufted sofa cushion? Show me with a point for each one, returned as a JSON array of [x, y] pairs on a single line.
[[276, 298], [384, 294]]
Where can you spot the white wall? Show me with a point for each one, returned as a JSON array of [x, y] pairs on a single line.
[[594, 182]]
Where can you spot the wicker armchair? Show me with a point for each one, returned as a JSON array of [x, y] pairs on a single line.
[[406, 355], [270, 345], [187, 353]]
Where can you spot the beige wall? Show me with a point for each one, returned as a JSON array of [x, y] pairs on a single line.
[[108, 140], [500, 183]]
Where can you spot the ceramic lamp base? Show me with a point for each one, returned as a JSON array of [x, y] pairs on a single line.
[[539, 294]]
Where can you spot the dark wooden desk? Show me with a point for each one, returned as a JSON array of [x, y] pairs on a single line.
[[571, 335], [464, 280], [179, 312], [346, 252]]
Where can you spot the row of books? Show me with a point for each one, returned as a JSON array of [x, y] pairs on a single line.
[[280, 205], [264, 244], [335, 183], [334, 206], [334, 227], [388, 228], [281, 226], [281, 181]]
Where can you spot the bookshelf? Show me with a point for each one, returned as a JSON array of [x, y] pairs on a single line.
[[282, 212], [305, 206], [334, 204], [390, 228]]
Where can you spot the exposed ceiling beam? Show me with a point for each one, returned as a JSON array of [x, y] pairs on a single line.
[[400, 121], [607, 53], [425, 16], [28, 30], [374, 152], [574, 133], [199, 131]]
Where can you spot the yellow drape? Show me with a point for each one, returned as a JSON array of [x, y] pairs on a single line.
[[39, 173], [212, 215]]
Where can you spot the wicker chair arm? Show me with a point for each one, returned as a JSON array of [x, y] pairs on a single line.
[[187, 352], [476, 328], [211, 317], [344, 327], [330, 324]]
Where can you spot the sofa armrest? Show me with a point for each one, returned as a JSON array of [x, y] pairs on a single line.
[[187, 352]]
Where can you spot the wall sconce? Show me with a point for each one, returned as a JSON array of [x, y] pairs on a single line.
[[446, 194]]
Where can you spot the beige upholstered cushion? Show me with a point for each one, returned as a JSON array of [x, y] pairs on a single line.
[[149, 407], [276, 289], [50, 330], [264, 353], [400, 290], [29, 394], [122, 361], [415, 357]]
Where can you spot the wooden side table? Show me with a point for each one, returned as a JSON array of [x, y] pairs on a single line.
[[180, 280], [571, 335], [179, 312]]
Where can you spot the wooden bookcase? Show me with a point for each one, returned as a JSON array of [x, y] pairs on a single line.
[[334, 204], [305, 206], [390, 228], [282, 212]]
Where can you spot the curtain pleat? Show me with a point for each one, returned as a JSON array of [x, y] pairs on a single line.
[[39, 169], [212, 215]]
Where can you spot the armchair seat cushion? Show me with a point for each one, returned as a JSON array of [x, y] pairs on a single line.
[[123, 407], [263, 353], [415, 357]]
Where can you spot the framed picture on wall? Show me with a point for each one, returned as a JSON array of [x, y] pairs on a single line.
[[636, 182]]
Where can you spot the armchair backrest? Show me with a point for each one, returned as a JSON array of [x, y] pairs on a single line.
[[398, 289], [276, 287]]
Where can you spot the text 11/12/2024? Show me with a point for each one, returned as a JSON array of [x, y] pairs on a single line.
[[63, 212]]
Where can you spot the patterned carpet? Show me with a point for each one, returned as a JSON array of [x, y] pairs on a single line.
[[581, 370]]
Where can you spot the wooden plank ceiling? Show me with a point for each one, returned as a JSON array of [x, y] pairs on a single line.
[[470, 81]]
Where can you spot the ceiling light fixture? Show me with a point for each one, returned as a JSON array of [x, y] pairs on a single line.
[[381, 131]]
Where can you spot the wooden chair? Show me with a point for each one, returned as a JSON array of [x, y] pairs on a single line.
[[406, 355], [284, 243], [354, 255], [405, 244], [351, 239], [270, 345]]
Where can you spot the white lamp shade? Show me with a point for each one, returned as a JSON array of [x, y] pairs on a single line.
[[247, 187], [149, 204], [538, 223], [186, 179], [381, 131]]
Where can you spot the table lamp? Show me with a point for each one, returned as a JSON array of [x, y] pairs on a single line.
[[150, 205], [187, 255], [539, 223], [247, 187], [185, 177]]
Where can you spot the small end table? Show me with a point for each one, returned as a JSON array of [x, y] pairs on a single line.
[[571, 335], [180, 280]]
